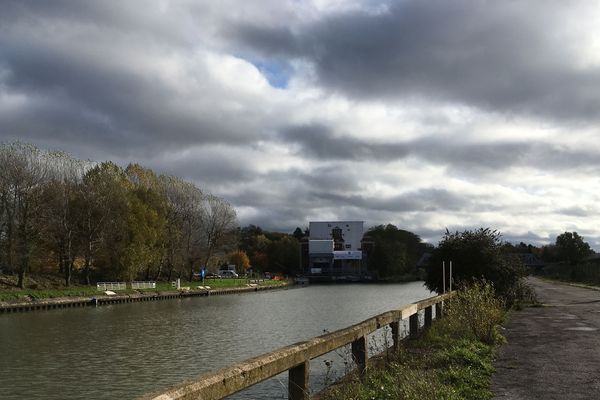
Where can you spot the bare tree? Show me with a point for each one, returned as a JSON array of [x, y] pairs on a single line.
[[218, 227], [60, 215], [23, 174], [183, 216]]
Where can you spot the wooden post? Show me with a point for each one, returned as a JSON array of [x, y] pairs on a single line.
[[428, 316], [413, 322], [298, 382], [395, 335], [439, 310], [359, 354]]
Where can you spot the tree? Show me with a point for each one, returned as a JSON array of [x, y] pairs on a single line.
[[184, 218], [22, 177], [240, 259], [60, 216], [218, 227], [106, 213], [147, 221], [395, 251], [298, 233], [284, 254], [475, 254], [571, 248]]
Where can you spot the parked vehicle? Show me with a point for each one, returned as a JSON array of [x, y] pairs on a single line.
[[228, 274]]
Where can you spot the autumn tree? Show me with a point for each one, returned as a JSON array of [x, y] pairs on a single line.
[[240, 259], [146, 222], [106, 232], [122, 223]]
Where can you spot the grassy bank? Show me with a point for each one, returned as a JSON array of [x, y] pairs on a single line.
[[452, 360], [48, 288]]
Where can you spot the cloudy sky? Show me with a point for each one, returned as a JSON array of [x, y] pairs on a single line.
[[428, 114]]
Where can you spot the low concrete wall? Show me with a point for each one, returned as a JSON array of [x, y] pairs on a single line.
[[295, 358]]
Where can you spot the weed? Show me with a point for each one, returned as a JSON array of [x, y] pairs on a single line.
[[476, 311]]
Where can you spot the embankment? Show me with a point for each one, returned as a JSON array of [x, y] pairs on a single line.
[[103, 299]]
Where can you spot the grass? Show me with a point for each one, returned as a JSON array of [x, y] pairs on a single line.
[[14, 294], [450, 361], [36, 294], [436, 366]]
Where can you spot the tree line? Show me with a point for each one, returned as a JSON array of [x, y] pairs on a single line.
[[482, 254], [103, 221]]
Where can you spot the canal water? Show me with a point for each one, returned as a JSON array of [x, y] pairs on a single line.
[[126, 350]]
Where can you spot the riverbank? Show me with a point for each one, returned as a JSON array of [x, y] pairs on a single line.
[[435, 366], [451, 360], [92, 297]]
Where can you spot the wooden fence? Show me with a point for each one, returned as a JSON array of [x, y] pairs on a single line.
[[296, 358]]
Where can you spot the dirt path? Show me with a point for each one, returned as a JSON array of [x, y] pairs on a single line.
[[553, 352]]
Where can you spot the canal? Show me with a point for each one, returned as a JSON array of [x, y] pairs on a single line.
[[126, 350]]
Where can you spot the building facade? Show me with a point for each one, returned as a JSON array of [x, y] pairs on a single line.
[[334, 251]]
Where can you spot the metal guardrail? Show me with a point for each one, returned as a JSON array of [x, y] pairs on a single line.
[[296, 358], [103, 286], [143, 285]]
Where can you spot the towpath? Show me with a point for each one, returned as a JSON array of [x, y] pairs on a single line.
[[553, 351]]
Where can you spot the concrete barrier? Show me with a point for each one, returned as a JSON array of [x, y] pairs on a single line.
[[296, 357]]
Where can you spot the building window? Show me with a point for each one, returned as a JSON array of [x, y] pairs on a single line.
[[336, 233], [348, 246]]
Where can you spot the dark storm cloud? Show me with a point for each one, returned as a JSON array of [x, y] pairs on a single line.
[[425, 200], [208, 167], [501, 56], [87, 73], [319, 142], [99, 98]]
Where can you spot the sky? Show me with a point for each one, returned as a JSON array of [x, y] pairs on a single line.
[[427, 114]]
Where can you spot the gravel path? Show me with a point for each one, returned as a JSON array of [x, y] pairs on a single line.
[[553, 351]]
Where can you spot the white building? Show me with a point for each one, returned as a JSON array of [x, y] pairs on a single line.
[[334, 249]]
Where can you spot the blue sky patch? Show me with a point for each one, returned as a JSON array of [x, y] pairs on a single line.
[[278, 74]]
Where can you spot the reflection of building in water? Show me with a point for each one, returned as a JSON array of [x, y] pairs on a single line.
[[335, 250]]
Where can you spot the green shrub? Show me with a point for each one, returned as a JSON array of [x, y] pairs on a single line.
[[476, 254], [476, 311]]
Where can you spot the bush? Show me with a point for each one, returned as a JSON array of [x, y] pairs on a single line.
[[476, 312], [475, 254]]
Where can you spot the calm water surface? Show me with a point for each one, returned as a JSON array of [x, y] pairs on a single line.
[[126, 350]]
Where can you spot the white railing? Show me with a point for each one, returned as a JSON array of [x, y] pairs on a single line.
[[111, 286], [143, 285]]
